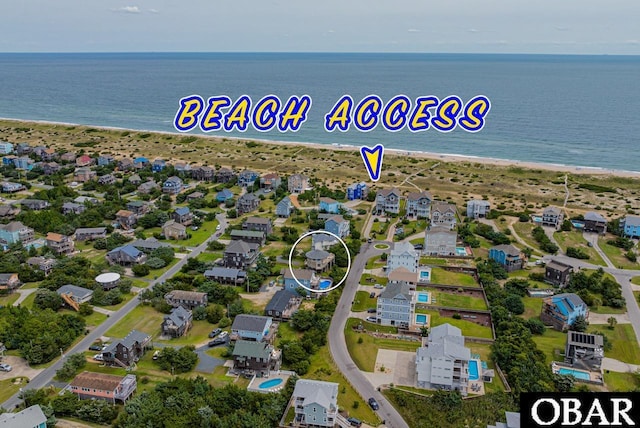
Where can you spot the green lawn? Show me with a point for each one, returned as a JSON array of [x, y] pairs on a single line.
[[8, 387], [532, 307], [468, 328], [615, 254], [625, 345], [621, 382], [362, 302], [8, 299], [375, 262], [607, 310], [432, 261], [550, 342], [411, 228], [441, 276], [524, 232], [576, 240], [364, 354], [199, 236], [143, 318], [286, 332], [195, 336], [364, 279], [209, 256], [455, 300], [125, 299], [155, 273], [28, 302]]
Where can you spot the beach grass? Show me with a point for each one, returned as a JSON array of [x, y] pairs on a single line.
[[576, 240]]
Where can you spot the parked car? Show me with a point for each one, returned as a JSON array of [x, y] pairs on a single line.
[[418, 247], [214, 333], [372, 319], [5, 367], [217, 341], [373, 403], [372, 295], [372, 310], [218, 227], [378, 286], [223, 335], [369, 241], [98, 357], [156, 354], [354, 422], [95, 347]]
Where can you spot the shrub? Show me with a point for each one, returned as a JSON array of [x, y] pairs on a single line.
[[140, 270]]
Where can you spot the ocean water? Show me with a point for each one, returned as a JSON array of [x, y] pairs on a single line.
[[574, 110]]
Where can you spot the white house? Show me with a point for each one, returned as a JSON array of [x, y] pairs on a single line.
[[478, 208], [403, 255], [443, 214], [439, 241]]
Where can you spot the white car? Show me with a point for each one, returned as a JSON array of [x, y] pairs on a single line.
[[372, 319], [218, 227], [98, 357], [378, 286], [5, 367]]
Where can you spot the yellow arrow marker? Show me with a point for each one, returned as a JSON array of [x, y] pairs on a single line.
[[373, 160]]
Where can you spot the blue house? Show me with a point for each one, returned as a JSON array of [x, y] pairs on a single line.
[[173, 185], [337, 225], [23, 163], [158, 165], [329, 205], [5, 148], [630, 226], [561, 310], [251, 327], [306, 277], [357, 191], [508, 256], [224, 195], [8, 160], [31, 417], [284, 207], [140, 162], [247, 177], [105, 160]]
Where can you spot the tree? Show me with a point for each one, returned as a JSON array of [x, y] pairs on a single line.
[[199, 313], [71, 366], [47, 299], [579, 324], [612, 321], [535, 326], [214, 313], [85, 309], [177, 361], [140, 270], [514, 304]]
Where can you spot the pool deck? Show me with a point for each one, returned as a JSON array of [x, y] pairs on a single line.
[[254, 385], [594, 376]]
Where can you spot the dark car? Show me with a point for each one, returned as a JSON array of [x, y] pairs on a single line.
[[369, 241], [214, 333], [95, 347], [372, 295], [372, 310], [216, 342], [418, 247], [373, 403], [354, 422]]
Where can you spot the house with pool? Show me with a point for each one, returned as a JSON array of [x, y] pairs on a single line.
[[305, 277], [396, 306]]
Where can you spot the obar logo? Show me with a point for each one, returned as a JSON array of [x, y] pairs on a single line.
[[580, 410]]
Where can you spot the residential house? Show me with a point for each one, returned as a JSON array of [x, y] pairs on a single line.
[[9, 281], [225, 175], [48, 154], [306, 277], [594, 222], [319, 260], [149, 244], [73, 208], [9, 187], [247, 203], [35, 204], [173, 185], [552, 216], [440, 241], [508, 256], [270, 182], [177, 323], [5, 148], [387, 201], [396, 306], [249, 236], [513, 421], [251, 327], [357, 191], [31, 417], [126, 219], [147, 187], [14, 232], [106, 179], [402, 275], [297, 183], [135, 179], [630, 226], [8, 160], [584, 350], [8, 211], [44, 264], [84, 174], [329, 205], [338, 226], [60, 244], [282, 305], [261, 224], [224, 195], [186, 299], [90, 233], [444, 362], [240, 255], [224, 275], [561, 310], [255, 358], [50, 168], [105, 160], [125, 164], [419, 204], [557, 273], [195, 195], [247, 177], [183, 168], [173, 230], [158, 165], [85, 200], [125, 352], [38, 151], [23, 162], [140, 162], [284, 208], [84, 160], [103, 386], [203, 173], [443, 214], [126, 255], [23, 149], [183, 216], [76, 294], [403, 255], [138, 207], [315, 403], [477, 208]]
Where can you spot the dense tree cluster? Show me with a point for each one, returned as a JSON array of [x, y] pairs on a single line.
[[596, 289], [486, 231], [545, 243], [177, 361]]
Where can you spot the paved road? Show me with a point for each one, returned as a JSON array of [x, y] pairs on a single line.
[[338, 346], [47, 374]]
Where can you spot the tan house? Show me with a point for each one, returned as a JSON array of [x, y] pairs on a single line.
[[173, 230], [59, 243], [319, 260], [126, 219]]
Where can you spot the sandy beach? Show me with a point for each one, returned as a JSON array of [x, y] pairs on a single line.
[[443, 157]]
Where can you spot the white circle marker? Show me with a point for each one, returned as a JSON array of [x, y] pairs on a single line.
[[326, 290]]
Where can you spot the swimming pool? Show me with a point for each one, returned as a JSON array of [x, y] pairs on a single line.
[[578, 224], [461, 251], [536, 219], [421, 319], [473, 370], [578, 374], [424, 274], [423, 297], [270, 383], [325, 283]]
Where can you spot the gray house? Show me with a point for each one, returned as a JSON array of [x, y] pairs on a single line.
[[126, 255], [31, 417], [284, 208], [260, 224], [419, 204], [478, 208], [396, 305], [387, 201], [443, 214], [177, 323], [315, 403], [584, 350], [282, 305], [255, 358], [226, 275], [440, 241], [77, 294], [552, 216], [247, 203], [240, 254]]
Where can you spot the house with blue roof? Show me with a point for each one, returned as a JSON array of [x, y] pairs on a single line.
[[561, 310], [8, 160], [329, 205], [357, 191], [224, 195], [140, 162], [158, 165], [630, 226], [247, 177], [183, 216], [173, 185], [126, 255]]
